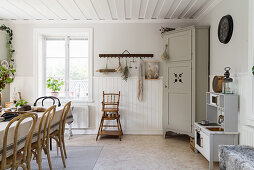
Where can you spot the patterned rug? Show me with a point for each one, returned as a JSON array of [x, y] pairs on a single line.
[[79, 158]]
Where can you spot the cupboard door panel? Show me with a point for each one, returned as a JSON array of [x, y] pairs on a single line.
[[179, 79], [179, 96], [179, 46], [179, 107]]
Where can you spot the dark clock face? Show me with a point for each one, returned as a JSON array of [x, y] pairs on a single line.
[[225, 29]]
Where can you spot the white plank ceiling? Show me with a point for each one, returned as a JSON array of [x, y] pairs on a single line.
[[103, 9]]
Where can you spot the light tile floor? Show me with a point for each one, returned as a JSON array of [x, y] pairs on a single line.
[[143, 152]]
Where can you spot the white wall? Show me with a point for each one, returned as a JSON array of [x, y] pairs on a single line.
[[234, 54], [138, 117], [108, 38]]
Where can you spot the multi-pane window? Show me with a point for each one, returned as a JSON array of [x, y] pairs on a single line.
[[67, 60]]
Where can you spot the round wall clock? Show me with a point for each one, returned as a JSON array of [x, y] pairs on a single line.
[[225, 29]]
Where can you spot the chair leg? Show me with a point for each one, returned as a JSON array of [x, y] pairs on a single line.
[[99, 130], [120, 126], [48, 155], [63, 143], [62, 154], [38, 159], [57, 149], [28, 163], [119, 131]]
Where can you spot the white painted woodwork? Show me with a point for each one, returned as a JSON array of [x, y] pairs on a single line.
[[179, 46], [173, 8], [135, 9], [227, 106], [185, 78], [120, 9], [113, 9], [247, 135], [26, 9], [210, 140], [143, 117], [193, 6], [42, 9], [179, 97], [157, 9], [150, 9], [72, 9], [88, 9], [56, 6], [128, 8], [143, 8], [104, 9], [19, 14], [182, 5]]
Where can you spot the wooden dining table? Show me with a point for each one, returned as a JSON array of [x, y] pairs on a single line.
[[24, 127]]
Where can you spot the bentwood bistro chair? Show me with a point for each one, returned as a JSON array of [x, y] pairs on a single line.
[[42, 142], [20, 157], [58, 135]]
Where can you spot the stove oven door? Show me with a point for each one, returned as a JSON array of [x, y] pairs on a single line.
[[202, 143]]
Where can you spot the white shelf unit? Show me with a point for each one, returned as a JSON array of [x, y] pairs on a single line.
[[227, 106]]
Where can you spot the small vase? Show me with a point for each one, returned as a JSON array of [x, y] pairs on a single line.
[[55, 94]]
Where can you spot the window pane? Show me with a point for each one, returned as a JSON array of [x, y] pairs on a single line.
[[78, 77], [55, 48], [78, 48], [55, 67]]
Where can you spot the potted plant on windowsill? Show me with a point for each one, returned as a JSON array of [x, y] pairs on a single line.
[[54, 85]]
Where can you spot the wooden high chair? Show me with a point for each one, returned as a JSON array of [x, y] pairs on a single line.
[[110, 111]]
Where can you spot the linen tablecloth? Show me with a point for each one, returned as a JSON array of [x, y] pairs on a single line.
[[24, 127]]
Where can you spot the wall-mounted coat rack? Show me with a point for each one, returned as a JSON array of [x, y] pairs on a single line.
[[126, 54]]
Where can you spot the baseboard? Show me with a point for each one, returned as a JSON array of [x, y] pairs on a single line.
[[130, 131]]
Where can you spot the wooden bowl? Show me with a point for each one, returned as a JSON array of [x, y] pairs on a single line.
[[217, 83]]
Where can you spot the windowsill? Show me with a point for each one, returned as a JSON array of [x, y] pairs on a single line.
[[77, 101]]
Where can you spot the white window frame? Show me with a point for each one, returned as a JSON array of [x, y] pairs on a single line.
[[40, 58]]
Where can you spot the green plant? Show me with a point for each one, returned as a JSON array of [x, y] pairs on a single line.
[[11, 68], [54, 84], [7, 74], [21, 102], [4, 78], [253, 70]]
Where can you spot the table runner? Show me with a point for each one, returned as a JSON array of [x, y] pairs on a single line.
[[24, 127]]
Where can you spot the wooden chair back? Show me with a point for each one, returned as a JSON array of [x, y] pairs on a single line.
[[45, 126], [110, 102], [63, 117], [26, 150]]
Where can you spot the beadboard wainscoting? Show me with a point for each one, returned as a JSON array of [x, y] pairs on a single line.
[[247, 135], [137, 117]]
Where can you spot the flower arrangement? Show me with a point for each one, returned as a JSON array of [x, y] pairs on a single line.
[[4, 78], [7, 70]]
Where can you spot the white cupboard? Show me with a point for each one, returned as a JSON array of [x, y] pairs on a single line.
[[185, 78]]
